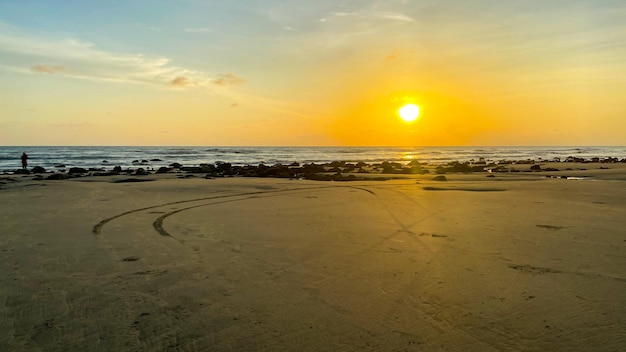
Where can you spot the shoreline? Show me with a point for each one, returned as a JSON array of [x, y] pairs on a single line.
[[105, 158], [570, 168]]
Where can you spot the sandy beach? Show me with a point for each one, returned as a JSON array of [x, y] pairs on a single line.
[[515, 262]]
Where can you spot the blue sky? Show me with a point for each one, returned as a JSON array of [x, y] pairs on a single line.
[[312, 73]]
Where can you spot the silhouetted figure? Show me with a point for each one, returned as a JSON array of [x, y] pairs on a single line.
[[24, 161]]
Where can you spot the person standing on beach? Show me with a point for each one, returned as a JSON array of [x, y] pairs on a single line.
[[24, 161]]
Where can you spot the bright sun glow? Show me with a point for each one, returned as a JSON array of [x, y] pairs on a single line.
[[409, 112]]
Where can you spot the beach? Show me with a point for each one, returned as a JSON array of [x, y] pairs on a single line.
[[519, 261]]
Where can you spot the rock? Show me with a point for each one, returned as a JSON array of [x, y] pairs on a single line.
[[156, 160], [162, 170], [117, 169], [38, 170], [141, 171], [192, 169], [536, 167], [59, 165], [21, 172], [439, 178], [224, 168], [58, 176], [176, 165], [207, 168], [77, 170]]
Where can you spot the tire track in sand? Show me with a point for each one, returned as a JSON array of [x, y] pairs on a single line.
[[157, 224]]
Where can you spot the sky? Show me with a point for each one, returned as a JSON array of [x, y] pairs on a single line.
[[312, 73]]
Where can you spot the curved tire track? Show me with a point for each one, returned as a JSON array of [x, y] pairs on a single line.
[[158, 223]]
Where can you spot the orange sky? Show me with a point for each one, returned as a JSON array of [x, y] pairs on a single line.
[[302, 73]]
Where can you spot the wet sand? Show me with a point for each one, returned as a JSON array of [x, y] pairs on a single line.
[[517, 262]]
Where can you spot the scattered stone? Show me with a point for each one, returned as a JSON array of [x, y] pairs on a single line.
[[58, 176], [439, 178], [77, 170], [127, 180], [130, 259], [38, 170], [551, 227]]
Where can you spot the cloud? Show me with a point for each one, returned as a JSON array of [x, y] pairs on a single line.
[[47, 69], [395, 16], [181, 81], [90, 63], [368, 15], [228, 79]]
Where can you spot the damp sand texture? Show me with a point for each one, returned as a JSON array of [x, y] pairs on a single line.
[[246, 264]]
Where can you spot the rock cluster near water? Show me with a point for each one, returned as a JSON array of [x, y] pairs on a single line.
[[334, 171]]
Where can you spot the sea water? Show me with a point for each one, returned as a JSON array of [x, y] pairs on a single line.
[[106, 157]]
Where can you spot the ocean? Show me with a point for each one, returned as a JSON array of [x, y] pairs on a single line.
[[57, 158]]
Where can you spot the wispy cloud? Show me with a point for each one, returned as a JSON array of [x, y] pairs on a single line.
[[368, 15], [228, 79], [78, 59], [181, 81], [47, 69]]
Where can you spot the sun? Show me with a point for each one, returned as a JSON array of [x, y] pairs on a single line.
[[409, 112]]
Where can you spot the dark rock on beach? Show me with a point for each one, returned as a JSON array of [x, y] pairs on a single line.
[[58, 176], [455, 166], [38, 170], [132, 180], [77, 170], [191, 169]]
